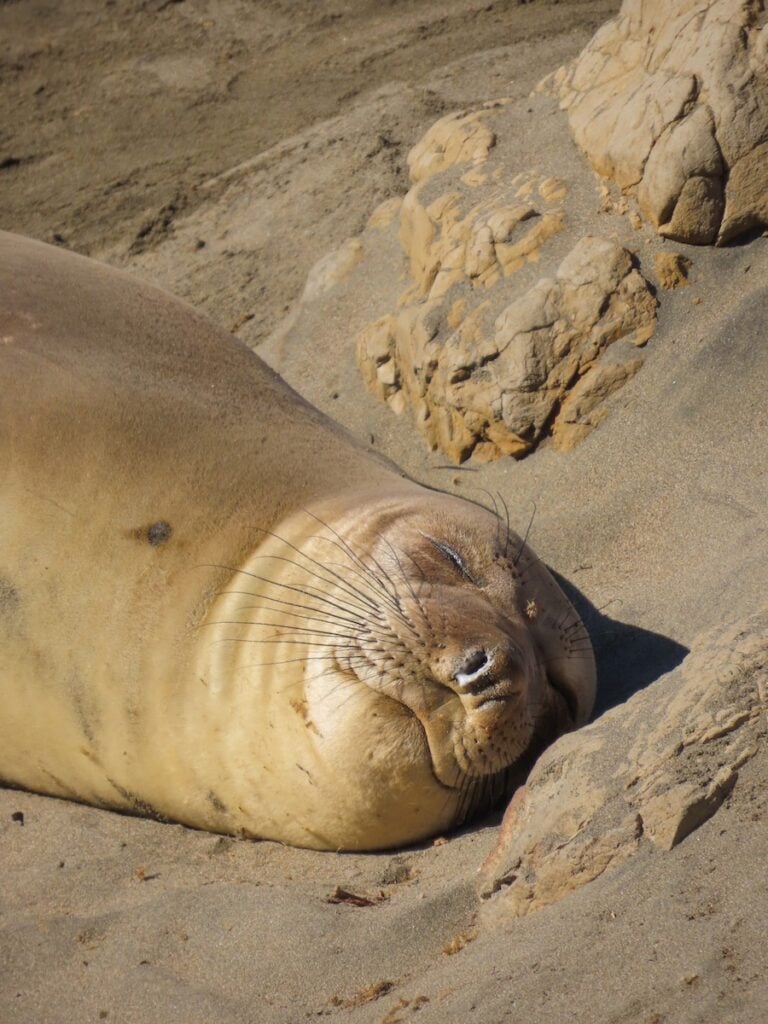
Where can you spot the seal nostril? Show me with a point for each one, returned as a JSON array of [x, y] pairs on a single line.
[[474, 666]]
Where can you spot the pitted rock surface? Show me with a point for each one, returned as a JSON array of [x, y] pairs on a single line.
[[651, 770]]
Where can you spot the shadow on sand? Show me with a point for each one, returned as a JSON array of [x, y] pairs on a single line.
[[628, 657]]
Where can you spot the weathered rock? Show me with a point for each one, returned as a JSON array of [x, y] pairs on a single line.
[[584, 407], [670, 99], [488, 365], [495, 387], [460, 137], [653, 769]]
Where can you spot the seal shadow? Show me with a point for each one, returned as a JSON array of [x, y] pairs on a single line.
[[628, 658]]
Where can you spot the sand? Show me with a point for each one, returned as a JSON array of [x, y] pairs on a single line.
[[221, 149]]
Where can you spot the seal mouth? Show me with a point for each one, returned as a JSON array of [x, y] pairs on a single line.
[[490, 701], [430, 758]]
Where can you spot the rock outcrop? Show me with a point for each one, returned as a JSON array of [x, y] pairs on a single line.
[[489, 360], [651, 770], [670, 100]]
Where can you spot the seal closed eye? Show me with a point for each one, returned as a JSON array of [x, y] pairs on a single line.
[[298, 648], [453, 557]]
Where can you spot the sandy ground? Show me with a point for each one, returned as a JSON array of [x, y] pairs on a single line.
[[220, 149]]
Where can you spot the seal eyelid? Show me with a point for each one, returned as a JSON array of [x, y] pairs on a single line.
[[453, 557]]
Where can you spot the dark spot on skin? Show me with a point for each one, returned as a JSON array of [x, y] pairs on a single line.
[[9, 597], [18, 816], [217, 803], [158, 533]]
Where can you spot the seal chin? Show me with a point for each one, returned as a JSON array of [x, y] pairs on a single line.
[[475, 744]]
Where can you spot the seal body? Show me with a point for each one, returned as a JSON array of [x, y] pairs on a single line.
[[216, 607]]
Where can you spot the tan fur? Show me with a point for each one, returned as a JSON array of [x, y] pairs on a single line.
[[217, 607]]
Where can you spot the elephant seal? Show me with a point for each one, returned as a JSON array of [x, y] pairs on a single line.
[[218, 608]]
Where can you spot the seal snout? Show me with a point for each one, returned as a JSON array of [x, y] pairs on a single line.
[[480, 671], [473, 668]]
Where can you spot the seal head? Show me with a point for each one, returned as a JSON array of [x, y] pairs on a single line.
[[400, 631]]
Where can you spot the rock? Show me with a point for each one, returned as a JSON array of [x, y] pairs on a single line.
[[584, 407], [652, 770], [671, 101], [499, 386], [491, 367], [460, 137], [672, 270], [669, 817]]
